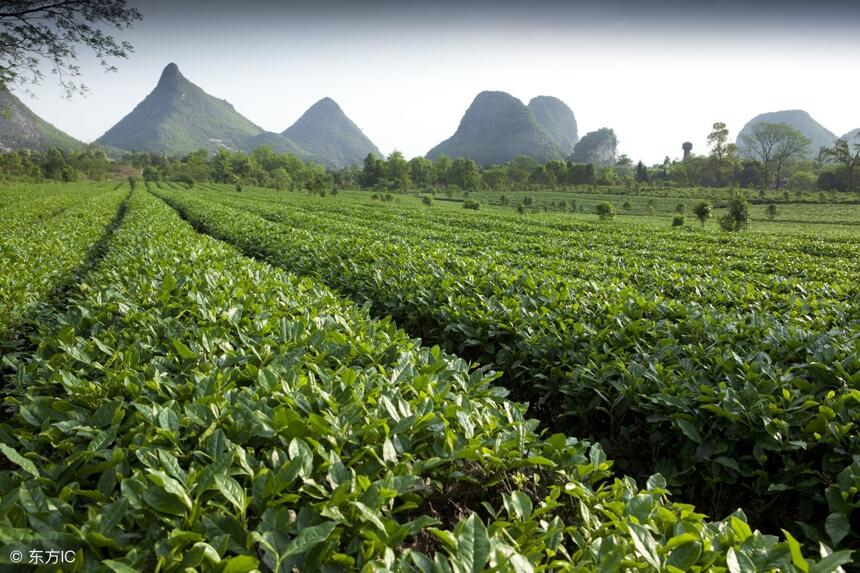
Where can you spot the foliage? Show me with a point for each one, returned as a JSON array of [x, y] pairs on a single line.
[[35, 32], [613, 361], [678, 221], [471, 204], [44, 242], [214, 413]]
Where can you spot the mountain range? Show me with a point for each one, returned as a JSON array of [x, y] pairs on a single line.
[[179, 117]]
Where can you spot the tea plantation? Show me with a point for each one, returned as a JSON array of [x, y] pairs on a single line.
[[205, 380]]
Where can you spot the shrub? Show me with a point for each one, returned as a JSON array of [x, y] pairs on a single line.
[[678, 221], [772, 212], [627, 206], [427, 201], [738, 216], [681, 209], [471, 204], [703, 211], [605, 210], [69, 174]]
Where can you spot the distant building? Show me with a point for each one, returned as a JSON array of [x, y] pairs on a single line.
[[687, 147]]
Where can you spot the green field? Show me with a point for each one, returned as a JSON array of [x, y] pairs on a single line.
[[200, 379]]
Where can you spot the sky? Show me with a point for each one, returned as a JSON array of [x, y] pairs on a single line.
[[658, 73]]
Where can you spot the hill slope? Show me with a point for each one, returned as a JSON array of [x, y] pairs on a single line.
[[276, 141], [853, 138], [496, 128], [557, 120], [328, 136], [597, 147], [178, 117], [798, 119], [20, 128]]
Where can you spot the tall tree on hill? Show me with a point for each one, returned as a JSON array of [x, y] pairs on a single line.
[[397, 170], [775, 146], [721, 150], [840, 152], [793, 147], [464, 173], [421, 171], [373, 171], [38, 32]]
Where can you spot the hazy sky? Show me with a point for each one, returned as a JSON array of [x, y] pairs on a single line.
[[659, 73]]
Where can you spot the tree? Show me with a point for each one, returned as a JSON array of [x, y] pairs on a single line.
[[397, 170], [703, 211], [464, 173], [623, 161], [641, 172], [792, 147], [802, 181], [775, 146], [557, 170], [840, 153], [721, 150], [33, 32], [718, 140], [421, 171], [373, 171]]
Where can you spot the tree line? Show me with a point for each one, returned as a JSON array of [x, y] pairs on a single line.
[[770, 156]]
